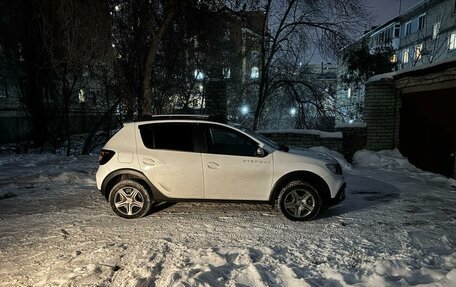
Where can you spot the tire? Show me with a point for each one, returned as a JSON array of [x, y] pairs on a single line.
[[130, 199], [299, 201]]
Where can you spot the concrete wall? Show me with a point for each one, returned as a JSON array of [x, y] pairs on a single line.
[[305, 140], [353, 139]]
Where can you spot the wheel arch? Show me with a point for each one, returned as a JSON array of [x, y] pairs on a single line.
[[314, 179], [118, 175]]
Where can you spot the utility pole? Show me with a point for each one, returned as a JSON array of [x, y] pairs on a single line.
[[400, 7]]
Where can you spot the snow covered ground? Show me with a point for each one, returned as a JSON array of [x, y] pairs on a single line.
[[397, 227]]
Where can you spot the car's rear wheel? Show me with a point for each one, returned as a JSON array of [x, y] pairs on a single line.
[[299, 201], [130, 199]]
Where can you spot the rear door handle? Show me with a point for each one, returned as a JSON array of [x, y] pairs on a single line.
[[213, 165], [150, 162]]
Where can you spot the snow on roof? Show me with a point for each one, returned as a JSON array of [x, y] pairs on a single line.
[[392, 75], [321, 134], [351, 125]]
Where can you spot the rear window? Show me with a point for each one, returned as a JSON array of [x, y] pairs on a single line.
[[169, 136]]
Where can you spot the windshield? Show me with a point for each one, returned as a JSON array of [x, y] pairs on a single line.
[[259, 137]]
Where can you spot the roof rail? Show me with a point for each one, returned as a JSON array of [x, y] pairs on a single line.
[[214, 118]]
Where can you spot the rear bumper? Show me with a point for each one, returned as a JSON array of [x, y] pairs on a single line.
[[339, 196]]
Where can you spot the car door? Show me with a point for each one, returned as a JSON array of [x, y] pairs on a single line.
[[167, 156], [231, 168]]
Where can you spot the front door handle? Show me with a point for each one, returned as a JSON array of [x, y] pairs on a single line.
[[213, 165]]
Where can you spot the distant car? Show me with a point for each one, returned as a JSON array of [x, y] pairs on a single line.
[[180, 158]]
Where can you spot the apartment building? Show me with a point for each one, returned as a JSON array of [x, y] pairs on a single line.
[[421, 35]]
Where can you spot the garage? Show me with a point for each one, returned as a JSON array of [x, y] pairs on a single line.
[[427, 134], [415, 110]]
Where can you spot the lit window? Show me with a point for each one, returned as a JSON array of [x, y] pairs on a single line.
[[405, 56], [3, 91], [435, 30], [81, 95], [393, 59], [226, 73], [418, 51], [421, 21], [255, 73], [452, 41], [199, 75]]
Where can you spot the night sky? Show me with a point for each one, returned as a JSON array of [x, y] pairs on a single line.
[[383, 10]]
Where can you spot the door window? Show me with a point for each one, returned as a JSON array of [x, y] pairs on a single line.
[[169, 136], [225, 141]]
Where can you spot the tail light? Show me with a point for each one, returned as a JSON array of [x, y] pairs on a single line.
[[105, 156]]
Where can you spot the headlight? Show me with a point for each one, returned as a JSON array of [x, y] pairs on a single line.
[[335, 168]]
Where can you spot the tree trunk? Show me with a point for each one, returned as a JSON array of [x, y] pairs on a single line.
[[145, 107]]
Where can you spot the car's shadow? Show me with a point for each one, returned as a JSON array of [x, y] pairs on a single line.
[[157, 207], [361, 193]]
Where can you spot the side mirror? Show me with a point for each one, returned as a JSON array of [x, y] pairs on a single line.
[[260, 152]]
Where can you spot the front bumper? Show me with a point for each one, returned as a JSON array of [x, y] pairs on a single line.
[[339, 196]]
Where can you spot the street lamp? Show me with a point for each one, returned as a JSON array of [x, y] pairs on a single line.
[[244, 110], [293, 112]]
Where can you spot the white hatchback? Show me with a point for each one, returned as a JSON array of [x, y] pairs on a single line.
[[180, 158]]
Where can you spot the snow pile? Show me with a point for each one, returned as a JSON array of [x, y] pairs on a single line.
[[386, 159], [338, 156], [394, 161]]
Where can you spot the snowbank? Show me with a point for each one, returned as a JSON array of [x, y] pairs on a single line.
[[387, 159], [394, 161]]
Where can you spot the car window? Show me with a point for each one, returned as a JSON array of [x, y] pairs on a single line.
[[220, 140], [169, 136]]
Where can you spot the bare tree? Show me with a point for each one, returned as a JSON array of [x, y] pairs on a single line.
[[75, 38], [324, 23]]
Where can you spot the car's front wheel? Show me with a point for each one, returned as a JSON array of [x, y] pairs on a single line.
[[130, 199], [299, 201]]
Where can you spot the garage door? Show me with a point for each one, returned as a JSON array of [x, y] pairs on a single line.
[[428, 130]]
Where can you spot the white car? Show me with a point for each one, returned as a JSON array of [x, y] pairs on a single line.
[[180, 158]]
